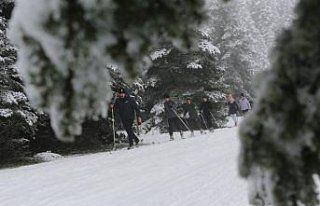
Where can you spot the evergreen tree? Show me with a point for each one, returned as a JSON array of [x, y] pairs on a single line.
[[280, 138], [240, 53], [64, 46], [270, 17], [17, 118], [244, 31], [182, 74]]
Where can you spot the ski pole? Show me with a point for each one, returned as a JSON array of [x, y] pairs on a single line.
[[181, 120], [212, 119], [205, 124], [113, 128]]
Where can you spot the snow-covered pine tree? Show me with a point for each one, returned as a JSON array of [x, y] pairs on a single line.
[[281, 135], [64, 46], [6, 7], [234, 34], [271, 17], [245, 31], [182, 74], [17, 118]]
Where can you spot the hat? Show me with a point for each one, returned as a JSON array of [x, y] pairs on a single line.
[[121, 90], [242, 95]]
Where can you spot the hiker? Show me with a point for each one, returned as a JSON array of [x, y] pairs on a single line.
[[244, 104], [171, 115], [191, 115], [126, 107], [205, 113], [233, 109]]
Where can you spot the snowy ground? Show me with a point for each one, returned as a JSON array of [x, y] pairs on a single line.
[[199, 171]]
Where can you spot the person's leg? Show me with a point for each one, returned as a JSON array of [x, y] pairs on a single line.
[[197, 124], [203, 122], [209, 122], [127, 124], [191, 123], [178, 125], [235, 119], [170, 124]]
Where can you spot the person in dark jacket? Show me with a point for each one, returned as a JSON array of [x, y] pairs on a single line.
[[191, 115], [205, 112], [127, 109], [233, 109], [171, 115]]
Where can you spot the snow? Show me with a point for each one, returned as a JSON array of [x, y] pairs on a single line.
[[159, 54], [5, 113], [11, 97], [196, 171], [194, 65], [157, 109], [46, 156], [206, 46], [29, 117], [152, 82]]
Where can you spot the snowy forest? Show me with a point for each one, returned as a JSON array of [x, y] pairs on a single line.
[[63, 64]]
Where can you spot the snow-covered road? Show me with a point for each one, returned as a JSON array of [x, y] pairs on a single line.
[[199, 171]]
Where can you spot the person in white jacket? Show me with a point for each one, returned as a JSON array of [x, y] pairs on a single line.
[[244, 104]]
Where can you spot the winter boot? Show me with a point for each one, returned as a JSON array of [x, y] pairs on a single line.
[[171, 138], [130, 145], [181, 135], [136, 141]]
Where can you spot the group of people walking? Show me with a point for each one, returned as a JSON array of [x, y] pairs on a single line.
[[234, 108], [190, 118]]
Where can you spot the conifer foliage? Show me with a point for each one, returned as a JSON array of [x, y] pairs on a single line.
[[281, 135], [64, 46], [17, 118], [186, 74]]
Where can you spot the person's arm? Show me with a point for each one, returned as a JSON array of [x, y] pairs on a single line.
[[173, 106], [136, 109], [249, 105]]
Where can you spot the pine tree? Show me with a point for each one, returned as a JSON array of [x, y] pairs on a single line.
[[233, 32], [64, 46], [245, 31], [280, 137], [270, 17], [17, 118], [183, 74]]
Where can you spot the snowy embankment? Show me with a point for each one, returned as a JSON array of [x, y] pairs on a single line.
[[199, 171]]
